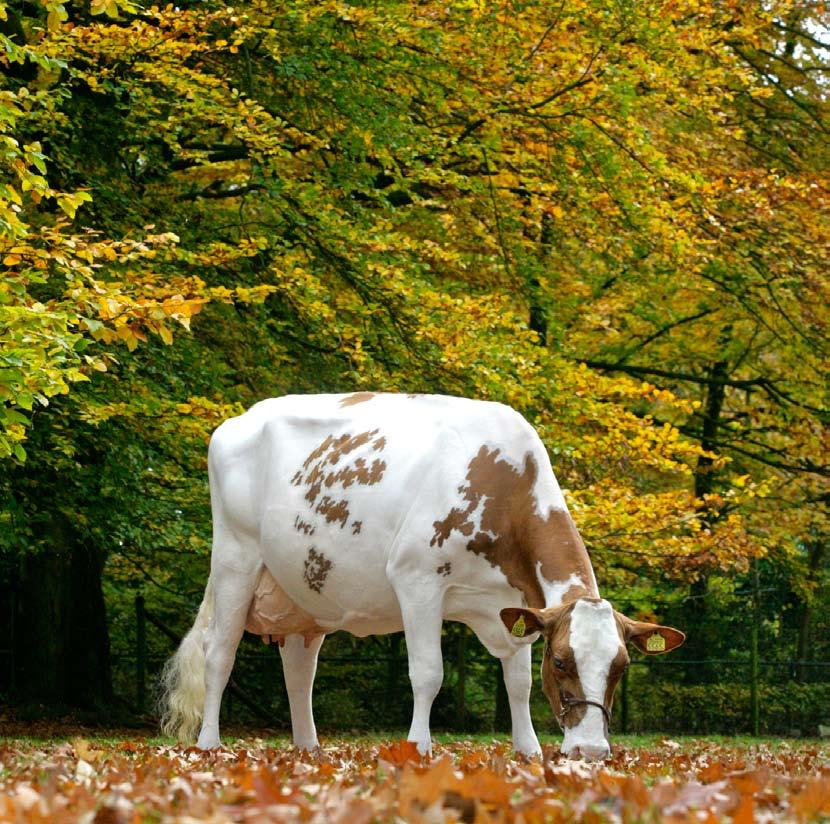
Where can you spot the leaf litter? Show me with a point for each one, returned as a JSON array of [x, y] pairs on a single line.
[[358, 783]]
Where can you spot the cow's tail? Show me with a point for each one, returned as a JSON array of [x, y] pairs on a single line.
[[183, 678]]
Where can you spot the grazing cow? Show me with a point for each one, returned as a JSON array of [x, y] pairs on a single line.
[[375, 513]]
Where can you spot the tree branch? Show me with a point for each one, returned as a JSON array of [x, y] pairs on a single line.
[[221, 193], [605, 366]]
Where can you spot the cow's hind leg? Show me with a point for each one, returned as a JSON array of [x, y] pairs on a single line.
[[299, 665], [233, 590], [422, 621]]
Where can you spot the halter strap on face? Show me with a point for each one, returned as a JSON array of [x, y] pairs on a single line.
[[569, 702]]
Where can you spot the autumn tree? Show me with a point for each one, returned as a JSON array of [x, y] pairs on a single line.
[[582, 211]]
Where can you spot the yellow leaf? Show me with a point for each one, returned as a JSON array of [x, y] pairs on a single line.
[[55, 17], [67, 204], [84, 750]]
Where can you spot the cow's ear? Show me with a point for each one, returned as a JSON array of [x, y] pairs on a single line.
[[523, 622], [652, 639]]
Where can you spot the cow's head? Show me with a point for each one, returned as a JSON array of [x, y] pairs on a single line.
[[585, 656]]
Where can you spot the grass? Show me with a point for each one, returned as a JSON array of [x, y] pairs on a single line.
[[237, 737]]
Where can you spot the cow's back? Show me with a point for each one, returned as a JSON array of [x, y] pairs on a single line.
[[326, 487]]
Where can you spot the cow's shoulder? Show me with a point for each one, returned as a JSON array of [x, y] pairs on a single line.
[[498, 427]]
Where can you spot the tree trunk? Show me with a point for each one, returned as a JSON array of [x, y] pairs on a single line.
[[698, 645], [815, 557], [61, 646], [537, 319]]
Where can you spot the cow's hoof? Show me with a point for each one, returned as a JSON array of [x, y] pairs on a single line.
[[424, 747], [529, 748]]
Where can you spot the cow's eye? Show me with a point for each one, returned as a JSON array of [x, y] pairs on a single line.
[[558, 663]]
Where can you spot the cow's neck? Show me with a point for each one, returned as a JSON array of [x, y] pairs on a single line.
[[561, 561], [533, 542]]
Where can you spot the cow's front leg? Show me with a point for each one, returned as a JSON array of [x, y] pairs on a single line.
[[422, 628], [518, 679], [299, 665]]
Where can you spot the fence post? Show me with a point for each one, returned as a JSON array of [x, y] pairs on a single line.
[[753, 651], [501, 722], [624, 702], [140, 653], [393, 666], [461, 694]]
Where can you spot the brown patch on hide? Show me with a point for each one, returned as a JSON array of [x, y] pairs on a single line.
[[356, 525], [512, 535], [315, 454], [318, 472], [615, 672], [444, 569], [312, 493], [301, 526], [316, 569], [334, 510], [272, 612], [348, 443], [456, 519], [355, 398], [375, 473], [357, 473]]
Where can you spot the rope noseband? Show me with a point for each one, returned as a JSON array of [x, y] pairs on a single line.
[[569, 702]]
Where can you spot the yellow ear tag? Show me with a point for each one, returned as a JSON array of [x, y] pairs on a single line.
[[519, 627], [656, 643]]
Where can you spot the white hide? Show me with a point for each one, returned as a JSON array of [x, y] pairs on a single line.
[[555, 590], [299, 665], [383, 572], [517, 679], [595, 643]]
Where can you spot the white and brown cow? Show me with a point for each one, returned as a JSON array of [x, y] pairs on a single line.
[[373, 513]]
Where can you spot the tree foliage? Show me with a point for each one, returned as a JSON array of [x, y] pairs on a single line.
[[611, 216]]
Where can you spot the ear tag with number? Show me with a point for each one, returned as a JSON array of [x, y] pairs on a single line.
[[519, 627], [656, 643]]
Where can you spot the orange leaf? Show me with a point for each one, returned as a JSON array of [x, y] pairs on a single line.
[[399, 752]]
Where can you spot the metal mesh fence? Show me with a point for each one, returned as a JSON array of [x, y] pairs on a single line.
[[362, 684]]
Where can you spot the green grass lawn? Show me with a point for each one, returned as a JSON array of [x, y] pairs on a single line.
[[236, 737]]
